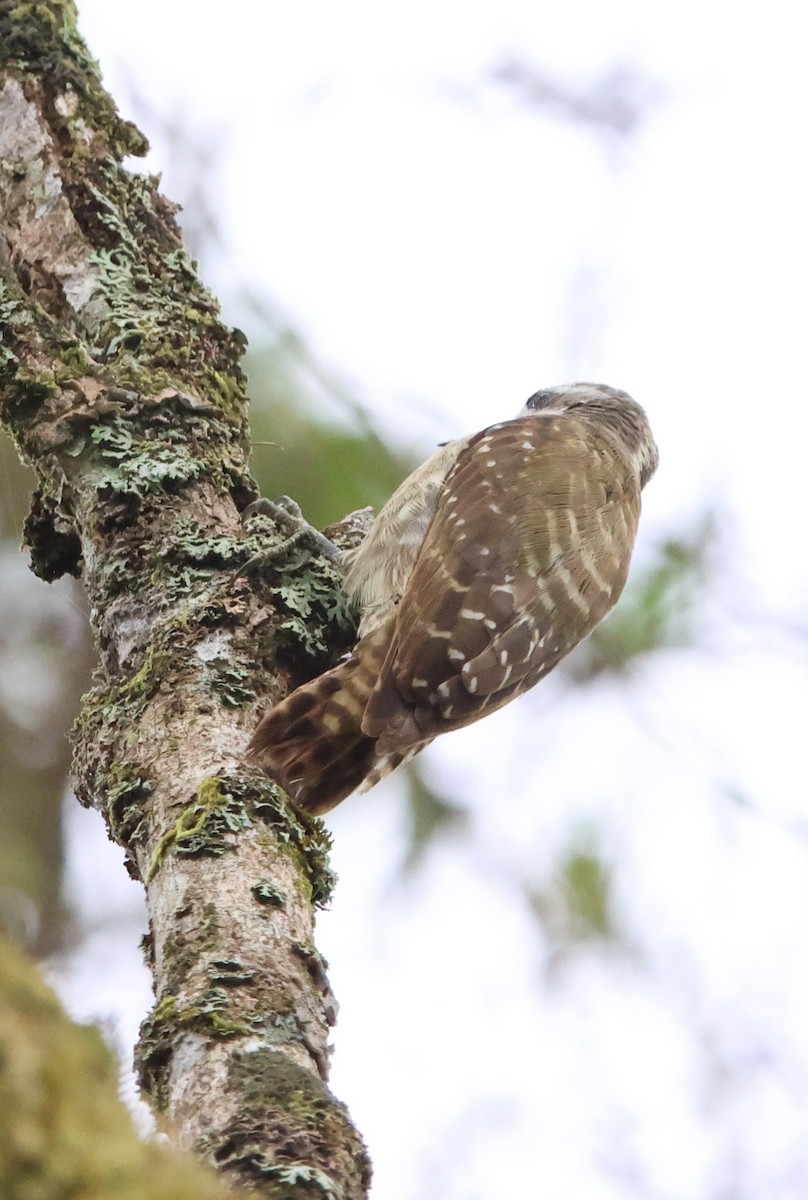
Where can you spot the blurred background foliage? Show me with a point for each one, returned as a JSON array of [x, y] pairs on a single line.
[[330, 466], [45, 663], [316, 437], [312, 439], [612, 872]]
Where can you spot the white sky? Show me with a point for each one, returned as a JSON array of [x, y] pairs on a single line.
[[448, 249]]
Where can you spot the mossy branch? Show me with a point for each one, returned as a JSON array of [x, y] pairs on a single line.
[[124, 391]]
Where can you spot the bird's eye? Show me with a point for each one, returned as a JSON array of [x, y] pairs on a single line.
[[540, 400]]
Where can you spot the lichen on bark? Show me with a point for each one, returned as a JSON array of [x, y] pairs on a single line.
[[124, 391]]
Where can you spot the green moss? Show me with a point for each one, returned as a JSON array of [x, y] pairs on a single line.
[[74, 361], [204, 827], [292, 1137], [190, 944], [159, 324], [301, 833], [299, 1097], [142, 684], [159, 316], [24, 388], [120, 705], [125, 793], [209, 1015], [64, 1131], [43, 38], [165, 1008], [153, 1055], [224, 805], [159, 1032]]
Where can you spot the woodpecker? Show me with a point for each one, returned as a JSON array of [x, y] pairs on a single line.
[[487, 566]]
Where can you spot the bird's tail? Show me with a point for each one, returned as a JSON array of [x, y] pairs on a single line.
[[312, 742]]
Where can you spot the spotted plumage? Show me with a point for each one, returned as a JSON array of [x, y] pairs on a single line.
[[487, 566]]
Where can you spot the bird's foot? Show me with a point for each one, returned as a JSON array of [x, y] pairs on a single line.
[[299, 536]]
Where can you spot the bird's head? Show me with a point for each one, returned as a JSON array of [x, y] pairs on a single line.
[[606, 406]]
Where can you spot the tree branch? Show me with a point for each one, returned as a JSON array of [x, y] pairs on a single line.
[[124, 391]]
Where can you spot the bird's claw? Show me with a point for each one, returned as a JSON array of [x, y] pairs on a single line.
[[289, 519]]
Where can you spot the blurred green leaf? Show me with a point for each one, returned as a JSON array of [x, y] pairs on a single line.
[[328, 468], [45, 664], [576, 906], [429, 816]]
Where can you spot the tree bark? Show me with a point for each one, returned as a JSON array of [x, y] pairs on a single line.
[[124, 391]]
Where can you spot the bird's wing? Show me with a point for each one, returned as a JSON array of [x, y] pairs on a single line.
[[528, 549]]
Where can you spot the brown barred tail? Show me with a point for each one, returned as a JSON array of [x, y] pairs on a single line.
[[312, 742]]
